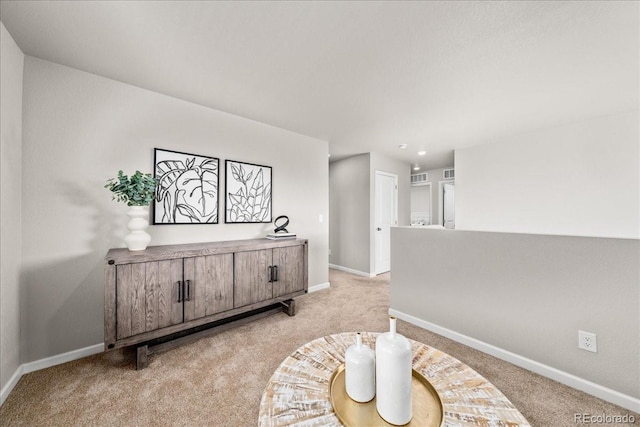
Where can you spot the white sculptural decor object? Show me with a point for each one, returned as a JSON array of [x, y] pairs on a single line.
[[138, 239], [360, 371], [393, 376], [137, 191]]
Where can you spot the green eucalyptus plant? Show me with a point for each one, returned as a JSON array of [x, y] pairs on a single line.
[[139, 190]]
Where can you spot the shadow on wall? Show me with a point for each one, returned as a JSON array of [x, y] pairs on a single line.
[[101, 220], [64, 306], [63, 297]]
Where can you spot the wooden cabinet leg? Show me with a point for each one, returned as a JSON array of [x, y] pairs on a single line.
[[289, 307], [142, 357]]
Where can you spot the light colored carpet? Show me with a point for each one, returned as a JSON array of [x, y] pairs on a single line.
[[219, 380]]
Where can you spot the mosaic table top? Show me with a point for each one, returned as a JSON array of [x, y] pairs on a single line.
[[298, 391]]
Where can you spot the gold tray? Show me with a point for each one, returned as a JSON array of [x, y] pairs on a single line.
[[427, 406]]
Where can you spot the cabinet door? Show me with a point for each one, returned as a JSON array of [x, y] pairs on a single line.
[[208, 285], [290, 266], [147, 296], [251, 275]]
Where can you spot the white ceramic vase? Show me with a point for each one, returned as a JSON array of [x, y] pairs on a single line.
[[393, 376], [360, 371], [137, 239]]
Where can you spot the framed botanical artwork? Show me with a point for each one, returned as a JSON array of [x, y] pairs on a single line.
[[247, 192], [187, 191]]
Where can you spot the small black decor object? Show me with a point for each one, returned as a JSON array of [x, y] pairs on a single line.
[[281, 228], [281, 232]]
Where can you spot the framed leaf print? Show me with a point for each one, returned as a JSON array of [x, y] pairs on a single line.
[[187, 191], [247, 193]]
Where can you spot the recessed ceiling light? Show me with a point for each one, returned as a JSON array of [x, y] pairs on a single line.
[[402, 146], [422, 153], [416, 168]]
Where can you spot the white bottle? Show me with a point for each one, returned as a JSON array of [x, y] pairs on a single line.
[[393, 376], [360, 371]]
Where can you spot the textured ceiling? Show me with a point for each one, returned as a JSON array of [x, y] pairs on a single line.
[[365, 76]]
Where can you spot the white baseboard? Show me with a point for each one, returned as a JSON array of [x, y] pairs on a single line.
[[11, 384], [604, 393], [352, 271], [62, 358], [319, 287], [48, 362]]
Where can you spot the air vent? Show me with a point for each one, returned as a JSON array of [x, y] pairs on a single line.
[[419, 178], [448, 174]]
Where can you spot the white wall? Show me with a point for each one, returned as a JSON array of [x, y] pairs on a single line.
[[581, 179], [523, 298], [79, 130], [349, 221], [11, 68]]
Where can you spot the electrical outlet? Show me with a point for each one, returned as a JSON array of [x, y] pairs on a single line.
[[587, 341]]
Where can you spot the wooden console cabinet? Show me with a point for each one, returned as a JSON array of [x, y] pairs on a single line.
[[165, 290]]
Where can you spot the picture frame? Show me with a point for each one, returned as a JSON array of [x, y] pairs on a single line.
[[247, 193], [187, 191]]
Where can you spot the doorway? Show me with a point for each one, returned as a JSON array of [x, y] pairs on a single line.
[[421, 204], [386, 216]]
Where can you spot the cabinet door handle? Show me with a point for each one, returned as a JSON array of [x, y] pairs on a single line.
[[270, 274], [179, 283], [188, 298], [276, 273]]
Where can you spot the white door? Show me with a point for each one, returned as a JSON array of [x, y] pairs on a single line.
[[386, 215], [448, 204]]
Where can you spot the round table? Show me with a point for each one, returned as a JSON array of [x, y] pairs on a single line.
[[298, 391]]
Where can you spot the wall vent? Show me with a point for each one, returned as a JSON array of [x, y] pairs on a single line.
[[448, 173], [419, 178]]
